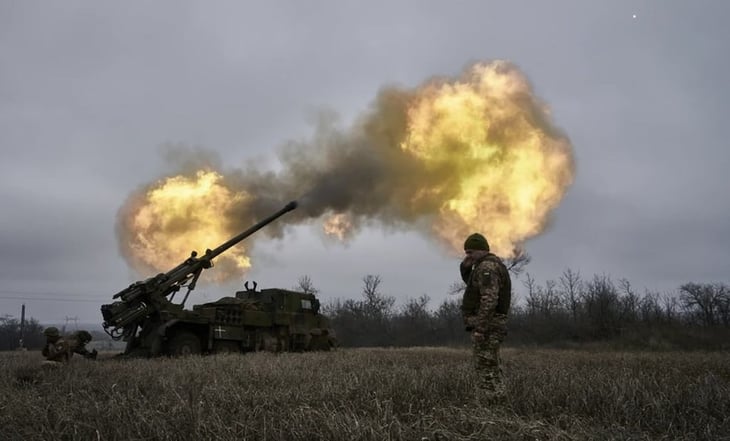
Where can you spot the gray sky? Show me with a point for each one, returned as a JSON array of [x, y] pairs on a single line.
[[90, 91]]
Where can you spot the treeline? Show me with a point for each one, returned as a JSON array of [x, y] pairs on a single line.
[[10, 333], [569, 310], [563, 312]]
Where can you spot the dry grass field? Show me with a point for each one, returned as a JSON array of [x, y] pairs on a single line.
[[368, 394]]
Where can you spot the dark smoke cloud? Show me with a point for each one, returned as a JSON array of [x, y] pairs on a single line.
[[362, 170]]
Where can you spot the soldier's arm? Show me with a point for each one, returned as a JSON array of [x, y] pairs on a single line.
[[465, 269], [489, 284], [65, 348], [50, 351], [57, 351], [81, 350]]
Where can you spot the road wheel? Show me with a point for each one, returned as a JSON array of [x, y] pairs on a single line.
[[183, 344]]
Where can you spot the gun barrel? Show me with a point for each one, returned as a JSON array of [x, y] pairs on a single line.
[[262, 223], [141, 299]]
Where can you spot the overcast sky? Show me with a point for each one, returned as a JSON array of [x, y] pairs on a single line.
[[90, 92]]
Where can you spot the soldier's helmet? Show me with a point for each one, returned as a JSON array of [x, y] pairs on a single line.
[[83, 336], [51, 331], [476, 242]]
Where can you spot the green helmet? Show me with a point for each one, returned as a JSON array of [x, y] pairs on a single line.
[[51, 331], [82, 336]]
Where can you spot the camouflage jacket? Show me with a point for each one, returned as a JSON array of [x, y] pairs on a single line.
[[77, 345], [488, 291], [59, 350]]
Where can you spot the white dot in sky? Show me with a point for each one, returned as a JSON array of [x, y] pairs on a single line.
[[633, 16]]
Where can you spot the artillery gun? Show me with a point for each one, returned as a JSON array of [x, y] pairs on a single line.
[[146, 317]]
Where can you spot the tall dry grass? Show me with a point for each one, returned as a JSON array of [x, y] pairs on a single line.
[[368, 394]]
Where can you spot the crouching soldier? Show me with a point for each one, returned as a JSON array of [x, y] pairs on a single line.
[[77, 342], [57, 350]]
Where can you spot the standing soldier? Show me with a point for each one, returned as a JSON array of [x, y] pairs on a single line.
[[57, 349], [485, 306]]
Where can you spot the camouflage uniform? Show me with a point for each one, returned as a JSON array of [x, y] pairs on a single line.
[[77, 343], [485, 307], [57, 349]]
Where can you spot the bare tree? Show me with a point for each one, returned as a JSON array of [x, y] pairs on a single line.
[[723, 304], [533, 294], [601, 301], [416, 309], [518, 262], [305, 285], [649, 308], [449, 319], [376, 304], [629, 301], [370, 285], [706, 301], [571, 285], [456, 288], [544, 301], [550, 301], [671, 305]]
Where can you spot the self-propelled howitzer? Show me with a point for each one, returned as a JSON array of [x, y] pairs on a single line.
[[144, 312]]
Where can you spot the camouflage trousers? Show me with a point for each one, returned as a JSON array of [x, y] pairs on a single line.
[[487, 362]]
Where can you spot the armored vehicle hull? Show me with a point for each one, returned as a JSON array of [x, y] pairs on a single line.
[[268, 320], [145, 316]]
